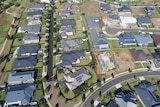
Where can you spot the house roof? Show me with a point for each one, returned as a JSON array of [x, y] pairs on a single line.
[[22, 93], [105, 7], [20, 76], [33, 13], [149, 8], [31, 28], [23, 62], [143, 38], [70, 57], [94, 22], [139, 55], [30, 37], [113, 17], [38, 6], [24, 49], [146, 92], [125, 98], [66, 29], [127, 38], [66, 6], [78, 78], [69, 45], [156, 39], [68, 22], [124, 8], [144, 19], [65, 12], [110, 104]]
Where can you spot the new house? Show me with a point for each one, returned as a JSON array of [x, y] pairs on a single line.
[[17, 78], [38, 6], [94, 22], [114, 18], [31, 49], [69, 45], [75, 79], [106, 8], [68, 23], [147, 94], [27, 62], [124, 11], [20, 95], [156, 39], [30, 38], [66, 31], [34, 14], [125, 98], [70, 59], [127, 39], [34, 29], [149, 10], [144, 21]]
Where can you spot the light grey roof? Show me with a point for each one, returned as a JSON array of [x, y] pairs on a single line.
[[146, 92], [31, 28], [33, 13], [33, 48], [68, 45], [24, 62], [66, 29], [68, 22], [22, 93], [38, 6], [94, 22], [143, 39], [19, 77], [30, 37]]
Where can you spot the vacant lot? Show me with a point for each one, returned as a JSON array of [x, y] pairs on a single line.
[[90, 7], [156, 22], [138, 11], [150, 1]]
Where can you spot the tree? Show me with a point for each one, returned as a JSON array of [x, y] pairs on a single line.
[[129, 69], [66, 90], [83, 97], [92, 103], [112, 75]]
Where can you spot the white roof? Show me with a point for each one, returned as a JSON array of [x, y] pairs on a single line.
[[128, 20]]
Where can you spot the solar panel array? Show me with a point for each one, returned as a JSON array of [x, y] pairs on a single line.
[[79, 78]]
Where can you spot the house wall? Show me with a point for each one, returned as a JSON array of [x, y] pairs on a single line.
[[30, 41], [11, 103]]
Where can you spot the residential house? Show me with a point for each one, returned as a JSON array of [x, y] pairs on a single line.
[[17, 78], [106, 8], [34, 29], [27, 62], [34, 21], [128, 21], [110, 104], [70, 59], [125, 98], [27, 50], [46, 1], [147, 94], [124, 0], [66, 6], [140, 56], [77, 1], [75, 79], [69, 45], [149, 10], [68, 23], [38, 6], [114, 18], [64, 13], [156, 39], [30, 38], [144, 21], [20, 95], [127, 39], [94, 22], [34, 14], [143, 39], [124, 11], [69, 31], [99, 42]]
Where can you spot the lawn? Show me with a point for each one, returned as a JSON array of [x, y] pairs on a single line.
[[151, 45], [39, 64], [60, 75], [78, 34], [39, 86], [9, 65], [146, 64], [132, 83], [2, 39], [38, 93], [85, 60], [10, 18], [150, 79], [56, 59], [17, 42], [2, 94], [84, 46], [138, 65], [113, 43], [69, 94]]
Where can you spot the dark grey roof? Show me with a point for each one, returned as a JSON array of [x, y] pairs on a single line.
[[33, 48], [146, 92], [68, 22], [22, 93], [30, 37], [110, 104], [38, 6], [114, 17], [24, 62], [94, 22], [124, 8], [31, 28], [65, 12], [68, 45], [127, 38], [105, 7], [145, 20], [32, 13], [70, 57]]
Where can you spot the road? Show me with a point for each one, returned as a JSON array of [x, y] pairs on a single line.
[[50, 48], [115, 81]]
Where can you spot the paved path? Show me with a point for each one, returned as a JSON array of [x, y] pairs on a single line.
[[115, 81]]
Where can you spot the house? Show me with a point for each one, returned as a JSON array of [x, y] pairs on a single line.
[[156, 55], [70, 59], [69, 31], [27, 50], [147, 94], [99, 42], [143, 39], [17, 78], [46, 1], [69, 45], [128, 21], [68, 23], [124, 0], [114, 18], [30, 38], [34, 21], [106, 8], [140, 56], [66, 6], [34, 29], [27, 62], [110, 104], [149, 10], [144, 21], [34, 14], [124, 11], [94, 22], [64, 13], [19, 95], [156, 39], [38, 6], [75, 79], [125, 98], [127, 39]]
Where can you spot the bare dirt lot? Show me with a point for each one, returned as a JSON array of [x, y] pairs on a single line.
[[156, 22], [90, 7], [138, 11], [150, 1]]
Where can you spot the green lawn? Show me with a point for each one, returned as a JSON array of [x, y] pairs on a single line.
[[138, 65], [9, 65], [2, 94], [68, 95], [146, 64], [38, 93], [113, 43], [39, 64], [150, 79], [78, 34], [85, 60], [132, 83], [6, 28], [56, 59], [151, 45], [17, 42], [84, 46]]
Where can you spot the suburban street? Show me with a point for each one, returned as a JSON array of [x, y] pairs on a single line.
[[115, 81]]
